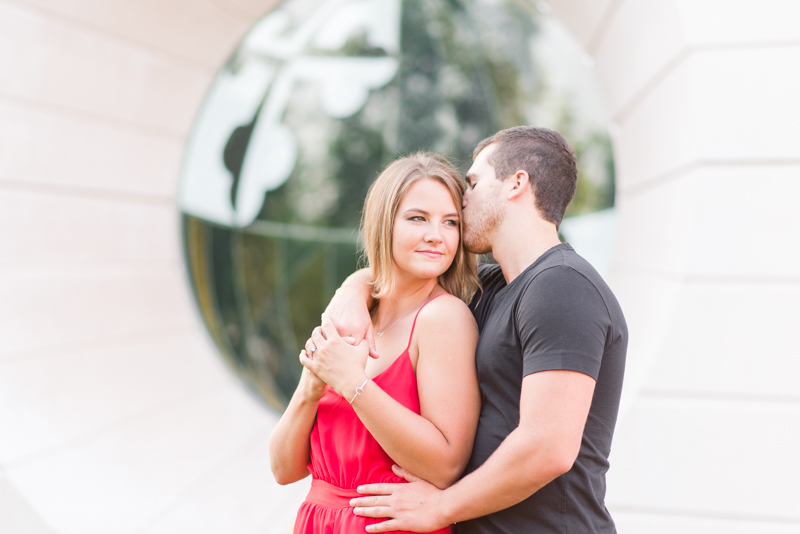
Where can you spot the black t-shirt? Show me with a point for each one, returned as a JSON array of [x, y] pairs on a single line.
[[557, 314]]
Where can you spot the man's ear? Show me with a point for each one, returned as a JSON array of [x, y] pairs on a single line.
[[520, 184]]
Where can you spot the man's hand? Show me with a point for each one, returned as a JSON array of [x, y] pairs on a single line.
[[414, 507], [349, 311]]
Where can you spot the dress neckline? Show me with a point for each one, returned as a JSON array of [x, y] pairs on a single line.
[[403, 355]]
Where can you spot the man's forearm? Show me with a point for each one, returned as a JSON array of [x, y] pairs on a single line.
[[520, 466], [553, 410], [349, 309], [359, 283]]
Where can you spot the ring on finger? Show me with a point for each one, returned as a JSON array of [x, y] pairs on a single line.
[[313, 350]]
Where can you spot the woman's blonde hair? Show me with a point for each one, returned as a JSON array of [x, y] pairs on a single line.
[[380, 209]]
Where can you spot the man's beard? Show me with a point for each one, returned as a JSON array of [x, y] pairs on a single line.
[[480, 226]]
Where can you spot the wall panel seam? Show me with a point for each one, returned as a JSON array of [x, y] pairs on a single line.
[[38, 352], [241, 14], [164, 511], [172, 405], [87, 192], [118, 123], [701, 514], [666, 177], [636, 100], [707, 279], [602, 28], [110, 342], [697, 396], [151, 50]]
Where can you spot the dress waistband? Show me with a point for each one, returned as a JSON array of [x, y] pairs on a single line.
[[329, 495]]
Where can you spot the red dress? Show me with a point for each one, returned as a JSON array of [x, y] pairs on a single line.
[[344, 455]]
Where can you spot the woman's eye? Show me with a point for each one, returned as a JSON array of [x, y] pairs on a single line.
[[451, 222], [416, 218]]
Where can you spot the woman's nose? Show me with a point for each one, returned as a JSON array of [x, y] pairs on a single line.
[[433, 234]]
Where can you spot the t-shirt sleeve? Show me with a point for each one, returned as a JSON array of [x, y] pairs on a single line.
[[562, 323]]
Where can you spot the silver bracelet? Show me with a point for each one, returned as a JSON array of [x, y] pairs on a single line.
[[359, 390]]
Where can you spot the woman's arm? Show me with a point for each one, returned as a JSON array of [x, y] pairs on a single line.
[[436, 444], [290, 444]]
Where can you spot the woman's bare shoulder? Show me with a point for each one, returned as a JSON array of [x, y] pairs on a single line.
[[446, 312], [446, 331]]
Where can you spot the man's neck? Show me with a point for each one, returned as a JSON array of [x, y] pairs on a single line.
[[517, 247]]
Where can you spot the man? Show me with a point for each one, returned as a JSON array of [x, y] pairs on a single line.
[[550, 359]]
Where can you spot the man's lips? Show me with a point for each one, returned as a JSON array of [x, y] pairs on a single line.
[[435, 254]]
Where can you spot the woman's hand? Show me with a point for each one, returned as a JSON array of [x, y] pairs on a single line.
[[313, 387], [334, 360]]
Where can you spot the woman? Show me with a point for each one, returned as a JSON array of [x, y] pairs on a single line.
[[417, 405]]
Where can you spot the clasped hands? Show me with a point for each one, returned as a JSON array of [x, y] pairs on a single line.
[[339, 362], [334, 360]]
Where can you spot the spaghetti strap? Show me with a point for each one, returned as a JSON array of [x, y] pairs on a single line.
[[417, 315]]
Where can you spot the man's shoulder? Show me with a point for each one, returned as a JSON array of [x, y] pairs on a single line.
[[566, 281], [488, 271], [562, 265], [492, 280]]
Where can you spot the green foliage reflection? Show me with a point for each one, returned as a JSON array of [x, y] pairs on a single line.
[[466, 70]]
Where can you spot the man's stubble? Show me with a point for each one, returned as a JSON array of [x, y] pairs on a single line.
[[481, 222]]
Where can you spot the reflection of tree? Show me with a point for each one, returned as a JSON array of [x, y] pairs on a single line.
[[595, 166], [453, 90], [466, 70], [359, 151]]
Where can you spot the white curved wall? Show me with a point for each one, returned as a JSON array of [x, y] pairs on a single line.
[[703, 94], [117, 416], [115, 413]]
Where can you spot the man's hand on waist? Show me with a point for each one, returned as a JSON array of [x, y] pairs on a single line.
[[415, 507]]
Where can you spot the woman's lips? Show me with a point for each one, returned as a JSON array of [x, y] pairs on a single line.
[[431, 254]]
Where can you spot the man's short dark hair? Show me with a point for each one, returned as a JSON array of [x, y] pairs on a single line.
[[547, 158]]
